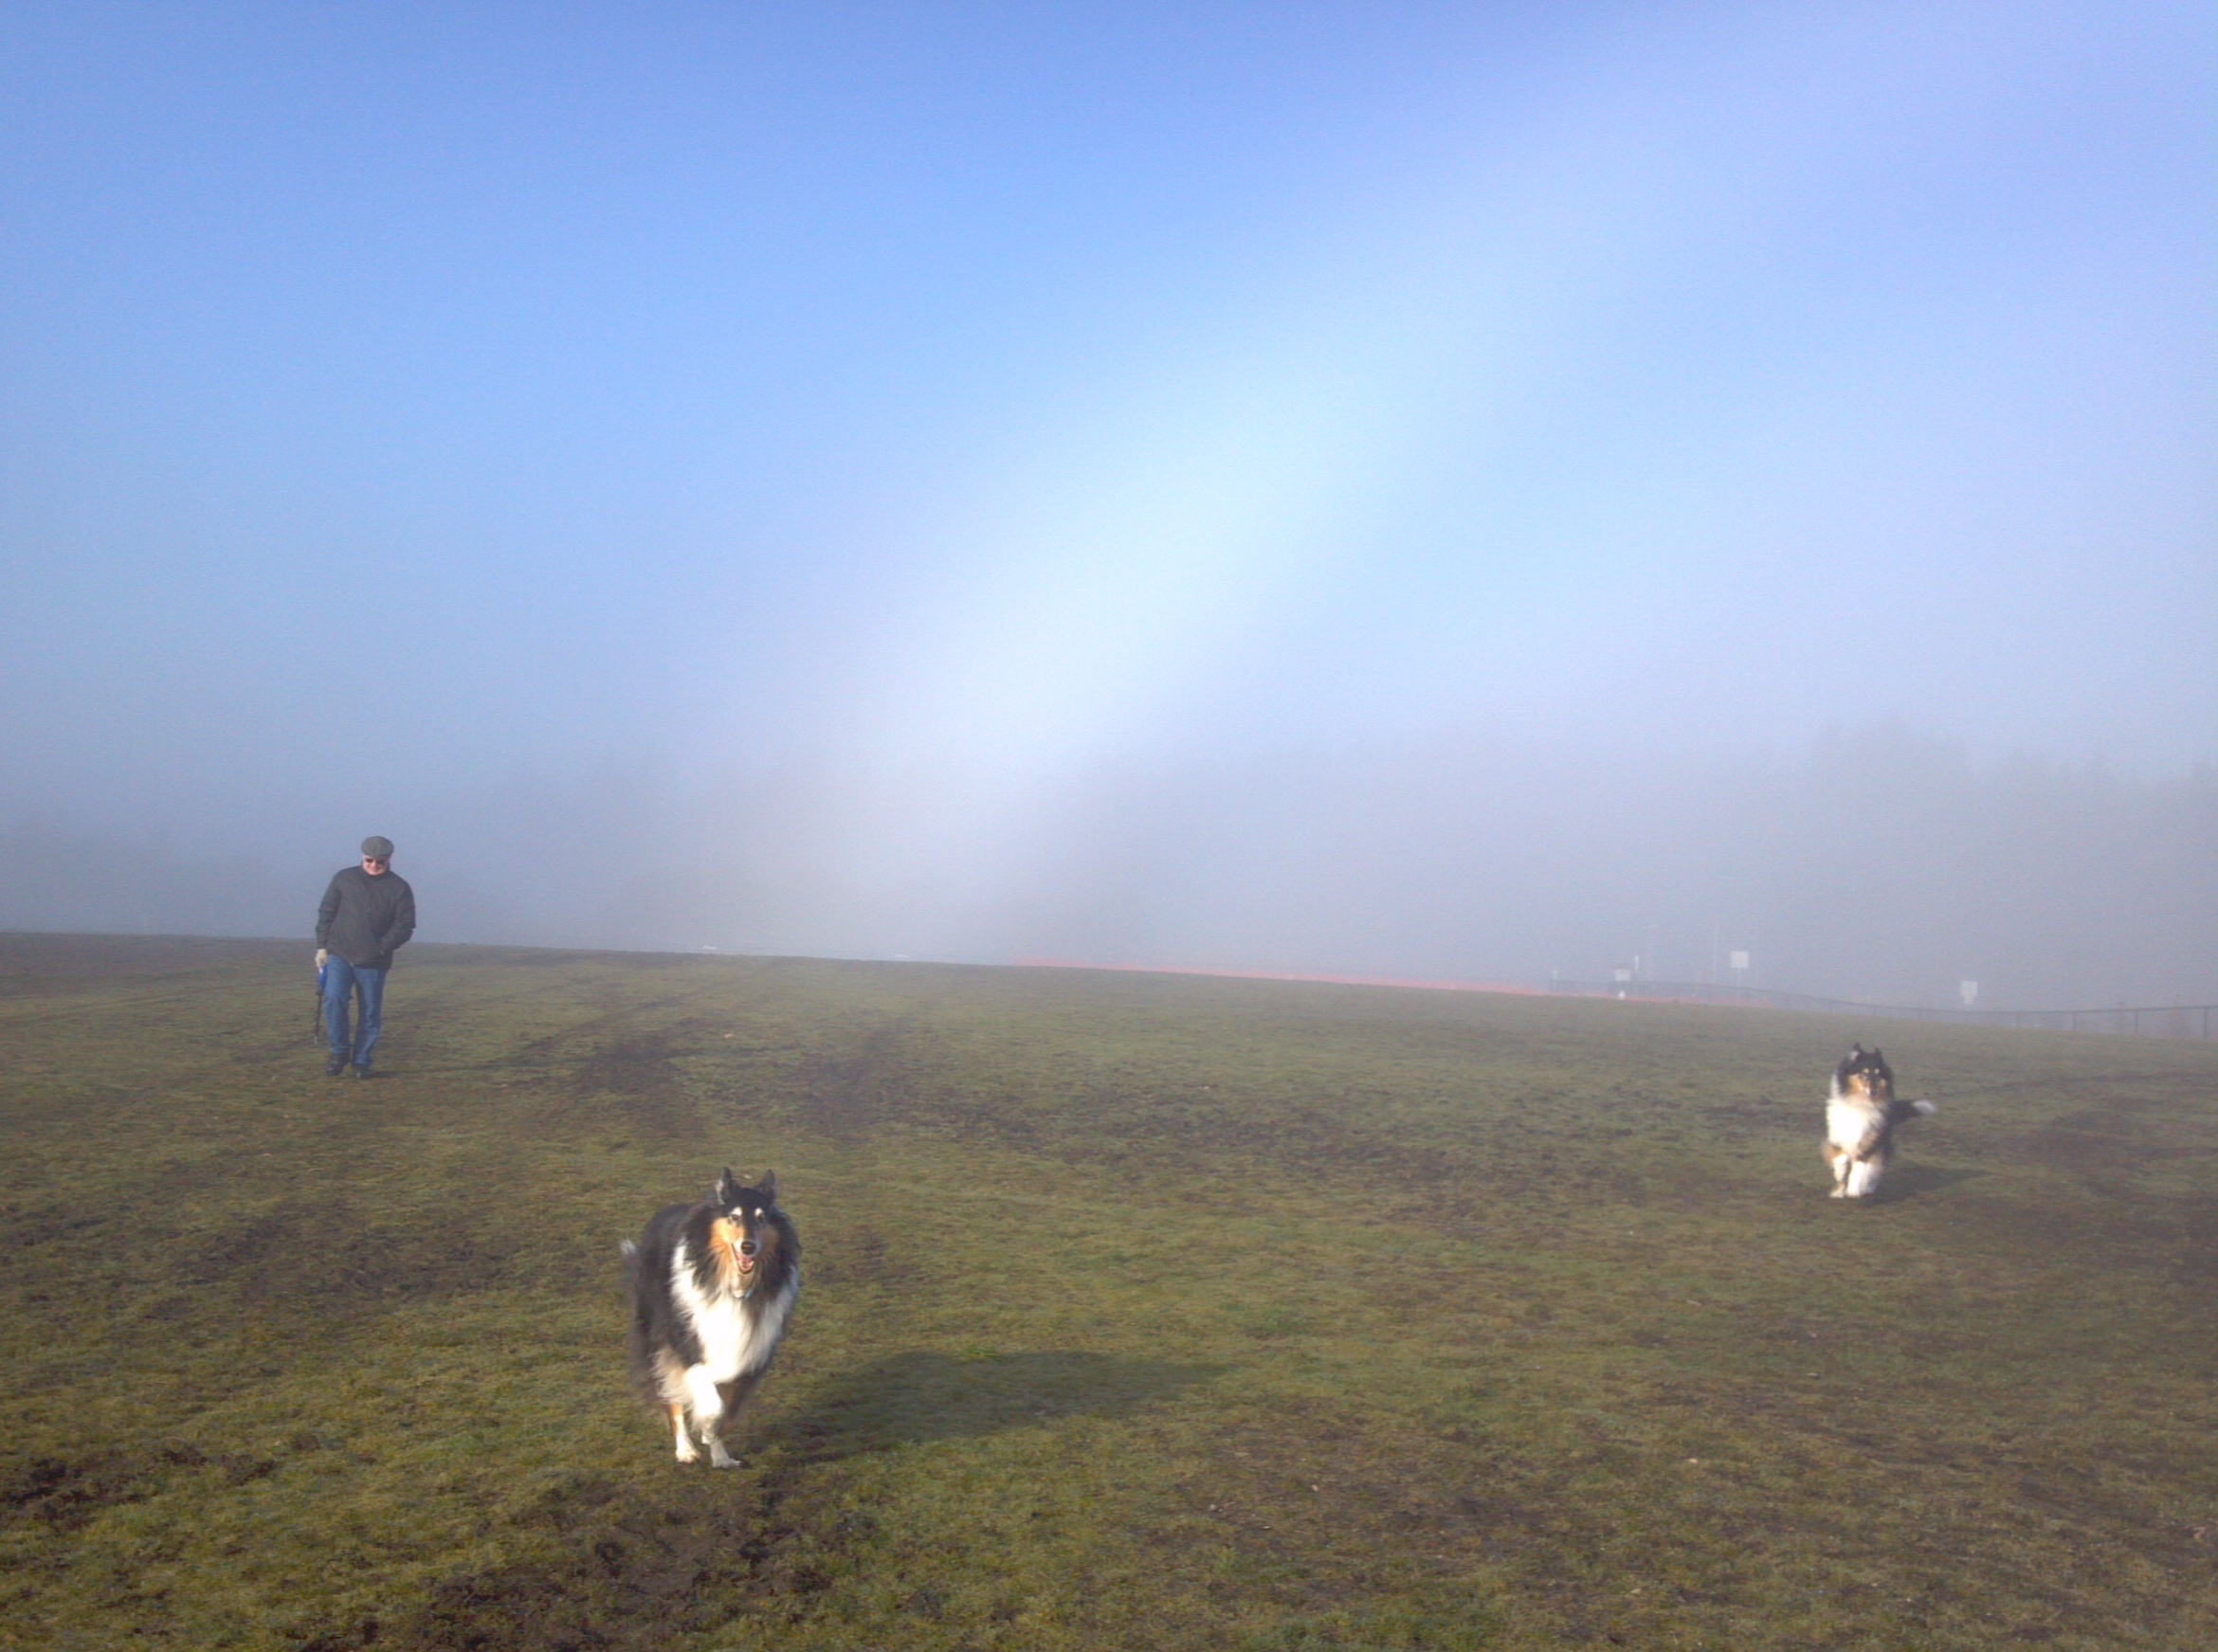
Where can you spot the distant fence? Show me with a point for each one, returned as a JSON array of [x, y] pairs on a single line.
[[2162, 1020]]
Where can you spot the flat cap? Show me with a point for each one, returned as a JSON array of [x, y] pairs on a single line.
[[376, 848]]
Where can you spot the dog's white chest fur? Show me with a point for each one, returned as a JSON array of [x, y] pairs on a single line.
[[732, 1340], [1848, 1122]]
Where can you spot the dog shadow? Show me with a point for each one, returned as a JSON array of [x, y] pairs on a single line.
[[1912, 1180], [908, 1399]]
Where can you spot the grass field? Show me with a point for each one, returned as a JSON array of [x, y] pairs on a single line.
[[1141, 1312]]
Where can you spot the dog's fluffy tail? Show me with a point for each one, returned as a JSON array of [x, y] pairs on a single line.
[[1924, 1109]]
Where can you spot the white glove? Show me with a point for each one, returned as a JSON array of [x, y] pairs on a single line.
[[322, 957]]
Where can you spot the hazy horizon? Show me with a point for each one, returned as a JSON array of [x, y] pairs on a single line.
[[2051, 888], [1448, 491]]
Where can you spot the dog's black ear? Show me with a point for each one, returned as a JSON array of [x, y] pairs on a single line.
[[768, 1187], [727, 1189]]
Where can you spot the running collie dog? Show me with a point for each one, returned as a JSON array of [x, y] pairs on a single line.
[[712, 1286], [1861, 1116]]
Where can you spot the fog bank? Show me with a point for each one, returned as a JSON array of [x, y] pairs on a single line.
[[1877, 865]]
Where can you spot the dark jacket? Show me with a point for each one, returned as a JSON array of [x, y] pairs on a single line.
[[366, 919]]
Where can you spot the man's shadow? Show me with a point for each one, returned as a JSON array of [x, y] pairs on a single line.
[[906, 1399]]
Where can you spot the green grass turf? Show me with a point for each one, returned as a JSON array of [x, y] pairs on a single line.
[[1141, 1312]]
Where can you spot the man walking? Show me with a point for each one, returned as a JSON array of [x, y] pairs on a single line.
[[368, 915]]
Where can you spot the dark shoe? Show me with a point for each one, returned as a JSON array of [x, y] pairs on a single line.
[[335, 1067], [361, 1072]]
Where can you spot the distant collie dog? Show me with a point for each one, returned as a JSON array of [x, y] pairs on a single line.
[[712, 1286], [1861, 1116]]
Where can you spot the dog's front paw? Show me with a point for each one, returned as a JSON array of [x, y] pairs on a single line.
[[720, 1458], [686, 1452]]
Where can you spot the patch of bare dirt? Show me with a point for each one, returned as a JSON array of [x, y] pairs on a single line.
[[637, 1074], [631, 1566], [324, 1254], [69, 1492]]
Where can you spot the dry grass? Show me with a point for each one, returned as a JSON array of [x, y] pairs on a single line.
[[1141, 1312]]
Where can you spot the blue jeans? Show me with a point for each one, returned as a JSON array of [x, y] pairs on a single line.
[[342, 981]]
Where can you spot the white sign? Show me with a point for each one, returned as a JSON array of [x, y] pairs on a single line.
[[1624, 974], [1740, 960], [1969, 991]]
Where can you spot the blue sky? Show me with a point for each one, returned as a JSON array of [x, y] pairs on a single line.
[[401, 403]]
